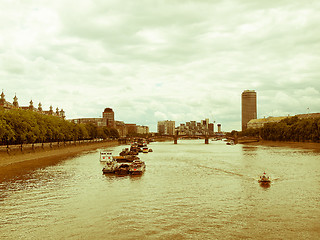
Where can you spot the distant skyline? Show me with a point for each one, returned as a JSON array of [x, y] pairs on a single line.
[[162, 60]]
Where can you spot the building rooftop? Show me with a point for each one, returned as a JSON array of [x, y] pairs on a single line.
[[245, 91], [268, 119]]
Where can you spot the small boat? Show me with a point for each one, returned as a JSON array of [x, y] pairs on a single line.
[[145, 150], [264, 179], [230, 142], [124, 152], [137, 167], [134, 149], [105, 156], [150, 150], [120, 164], [125, 159]]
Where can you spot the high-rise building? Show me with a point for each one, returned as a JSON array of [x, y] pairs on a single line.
[[249, 107], [205, 123], [108, 117], [166, 127], [219, 128], [194, 128], [211, 128]]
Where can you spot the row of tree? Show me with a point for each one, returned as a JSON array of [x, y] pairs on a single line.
[[20, 126], [288, 129]]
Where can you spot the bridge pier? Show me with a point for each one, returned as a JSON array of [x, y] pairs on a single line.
[[236, 139], [175, 140]]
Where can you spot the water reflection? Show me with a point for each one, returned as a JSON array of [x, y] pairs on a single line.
[[114, 177], [190, 190], [265, 185], [136, 177], [249, 150]]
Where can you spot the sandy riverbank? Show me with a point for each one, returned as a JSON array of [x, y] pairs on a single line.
[[12, 166], [303, 145]]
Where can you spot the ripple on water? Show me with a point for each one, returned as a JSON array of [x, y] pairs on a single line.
[[189, 191]]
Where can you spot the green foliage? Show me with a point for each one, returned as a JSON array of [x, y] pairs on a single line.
[[138, 135], [21, 126], [289, 129], [251, 132]]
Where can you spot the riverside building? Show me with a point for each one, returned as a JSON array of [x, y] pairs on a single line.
[[192, 128], [108, 120], [259, 123], [108, 115], [15, 105], [248, 107], [166, 127]]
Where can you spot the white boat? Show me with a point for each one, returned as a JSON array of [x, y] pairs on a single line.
[[110, 167], [119, 164], [137, 167], [264, 179], [105, 156]]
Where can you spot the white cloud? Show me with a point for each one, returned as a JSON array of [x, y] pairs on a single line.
[[157, 60]]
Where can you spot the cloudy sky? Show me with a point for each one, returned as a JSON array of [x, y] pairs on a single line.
[[152, 60]]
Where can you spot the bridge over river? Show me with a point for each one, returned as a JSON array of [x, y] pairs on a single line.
[[175, 138], [205, 137]]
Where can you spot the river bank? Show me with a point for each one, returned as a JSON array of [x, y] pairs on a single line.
[[303, 145], [12, 166]]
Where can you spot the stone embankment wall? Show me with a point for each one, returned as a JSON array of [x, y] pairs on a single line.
[[38, 147]]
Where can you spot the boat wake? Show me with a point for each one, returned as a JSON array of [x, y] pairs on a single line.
[[221, 170], [233, 173]]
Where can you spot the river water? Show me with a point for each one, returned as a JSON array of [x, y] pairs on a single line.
[[189, 191]]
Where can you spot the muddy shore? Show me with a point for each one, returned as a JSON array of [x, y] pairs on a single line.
[[12, 166]]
